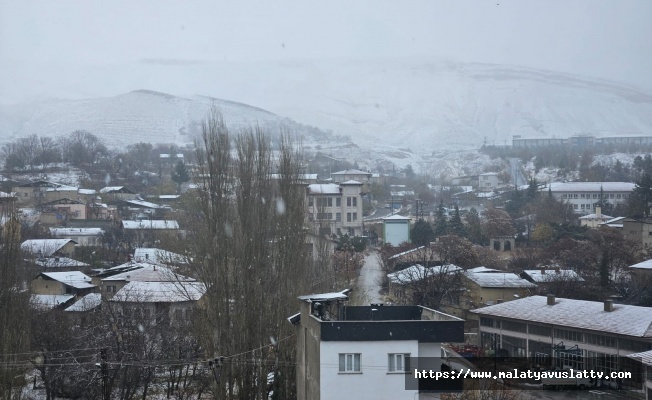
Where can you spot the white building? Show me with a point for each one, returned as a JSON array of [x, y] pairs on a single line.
[[567, 333], [488, 181], [335, 209], [396, 229], [584, 195], [361, 352], [594, 220], [83, 236]]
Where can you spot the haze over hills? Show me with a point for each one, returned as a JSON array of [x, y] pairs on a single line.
[[402, 111]]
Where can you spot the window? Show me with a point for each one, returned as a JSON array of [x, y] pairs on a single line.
[[338, 202], [350, 362], [355, 216], [110, 289], [582, 195], [618, 196], [351, 201], [575, 206], [582, 206], [539, 330], [569, 335], [595, 195], [563, 196], [575, 195], [348, 217], [484, 321], [398, 362], [311, 200], [514, 326], [338, 217], [611, 195]]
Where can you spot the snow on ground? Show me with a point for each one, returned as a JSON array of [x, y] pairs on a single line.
[[69, 176], [610, 159], [449, 164]]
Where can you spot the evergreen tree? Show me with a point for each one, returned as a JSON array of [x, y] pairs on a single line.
[[474, 227], [422, 233], [180, 175], [533, 188], [456, 226], [441, 223], [641, 197]]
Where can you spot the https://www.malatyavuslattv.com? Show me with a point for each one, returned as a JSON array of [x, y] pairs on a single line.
[[521, 374]]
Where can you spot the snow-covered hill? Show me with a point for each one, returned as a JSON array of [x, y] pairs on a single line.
[[141, 115]]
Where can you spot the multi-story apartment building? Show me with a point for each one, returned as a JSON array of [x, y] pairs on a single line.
[[364, 352], [335, 209], [583, 196], [638, 230]]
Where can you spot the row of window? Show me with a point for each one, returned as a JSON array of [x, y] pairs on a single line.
[[352, 362], [350, 217], [328, 201], [568, 335], [593, 196]]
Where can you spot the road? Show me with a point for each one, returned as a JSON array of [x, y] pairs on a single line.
[[516, 170], [370, 278]]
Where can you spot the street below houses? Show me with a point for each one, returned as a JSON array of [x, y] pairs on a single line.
[[370, 278]]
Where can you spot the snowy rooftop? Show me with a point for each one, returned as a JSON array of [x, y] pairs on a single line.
[[482, 270], [596, 216], [87, 191], [44, 247], [580, 314], [343, 295], [617, 220], [418, 272], [160, 292], [591, 186], [86, 303], [76, 279], [407, 252], [499, 280], [150, 224], [109, 189], [644, 357], [62, 188], [643, 265], [324, 188], [169, 196], [351, 172], [60, 262], [553, 275], [76, 231], [146, 272], [49, 301], [143, 203], [351, 182], [396, 217], [159, 256]]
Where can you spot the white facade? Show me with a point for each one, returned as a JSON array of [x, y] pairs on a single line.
[[335, 209], [488, 181], [583, 196], [396, 229], [374, 380]]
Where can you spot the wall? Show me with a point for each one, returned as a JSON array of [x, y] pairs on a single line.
[[396, 232], [47, 286], [374, 380]]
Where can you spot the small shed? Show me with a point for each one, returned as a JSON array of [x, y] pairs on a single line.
[[396, 229]]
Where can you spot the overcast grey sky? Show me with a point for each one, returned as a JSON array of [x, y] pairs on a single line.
[[48, 46]]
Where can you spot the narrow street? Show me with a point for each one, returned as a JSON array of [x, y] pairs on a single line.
[[369, 280]]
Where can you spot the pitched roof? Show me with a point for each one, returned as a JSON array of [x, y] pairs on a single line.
[[647, 264], [76, 231], [351, 172], [418, 272], [644, 357], [59, 262], [396, 217], [142, 203], [86, 303], [49, 301], [115, 189], [75, 279], [553, 275], [498, 280], [150, 224], [147, 272], [159, 256], [160, 292], [581, 314], [44, 247], [596, 216]]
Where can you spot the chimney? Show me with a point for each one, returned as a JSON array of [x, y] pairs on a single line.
[[557, 270], [551, 299], [498, 301], [543, 270], [598, 211], [608, 305]]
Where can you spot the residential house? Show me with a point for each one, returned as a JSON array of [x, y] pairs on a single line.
[[83, 236], [584, 196], [580, 334], [61, 210], [553, 280], [403, 284], [486, 287], [488, 181], [348, 352], [145, 271], [59, 263], [33, 191], [614, 223], [594, 220], [642, 269], [61, 192], [46, 302], [159, 256], [638, 230], [148, 231], [89, 302], [645, 358], [58, 283], [334, 209], [44, 248], [115, 193]]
